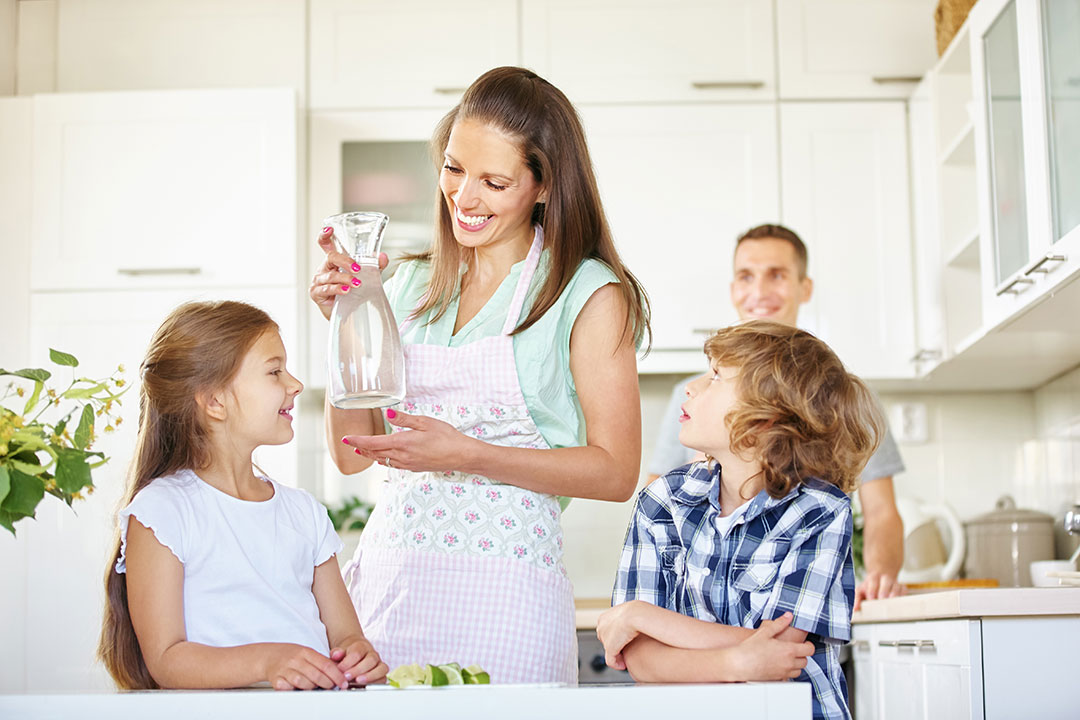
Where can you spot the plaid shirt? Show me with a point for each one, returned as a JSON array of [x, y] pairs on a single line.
[[787, 555]]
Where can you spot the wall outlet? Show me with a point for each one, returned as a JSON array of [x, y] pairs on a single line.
[[909, 423]]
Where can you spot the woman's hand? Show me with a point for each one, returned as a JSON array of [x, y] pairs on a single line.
[[337, 275], [430, 445], [764, 657], [359, 662], [616, 628], [295, 667]]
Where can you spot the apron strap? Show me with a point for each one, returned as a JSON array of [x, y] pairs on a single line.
[[532, 260]]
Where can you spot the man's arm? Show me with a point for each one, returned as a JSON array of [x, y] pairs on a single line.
[[883, 541]]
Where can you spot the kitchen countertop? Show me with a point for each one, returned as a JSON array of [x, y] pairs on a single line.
[[755, 700], [980, 602], [587, 610]]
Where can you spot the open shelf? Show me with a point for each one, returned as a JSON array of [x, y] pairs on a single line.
[[961, 149], [966, 252]]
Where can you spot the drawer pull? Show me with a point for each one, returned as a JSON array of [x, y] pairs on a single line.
[[861, 645], [1023, 282], [134, 272], [895, 79], [703, 331], [1038, 266], [728, 85], [449, 90], [888, 643]]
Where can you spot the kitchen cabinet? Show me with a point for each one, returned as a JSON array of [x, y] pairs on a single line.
[[649, 51], [844, 190], [679, 184], [849, 49], [178, 44], [164, 189], [409, 53]]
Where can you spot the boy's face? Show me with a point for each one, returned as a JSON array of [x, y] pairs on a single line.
[[709, 399]]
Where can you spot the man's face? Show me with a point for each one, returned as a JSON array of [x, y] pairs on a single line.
[[767, 281]]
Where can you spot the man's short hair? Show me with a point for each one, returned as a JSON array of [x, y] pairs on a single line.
[[778, 232]]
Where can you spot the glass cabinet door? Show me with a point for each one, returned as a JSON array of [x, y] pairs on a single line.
[[1061, 38], [1009, 205]]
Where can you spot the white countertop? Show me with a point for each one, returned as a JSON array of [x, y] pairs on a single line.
[[976, 602], [523, 702]]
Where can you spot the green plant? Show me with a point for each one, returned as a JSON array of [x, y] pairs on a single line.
[[857, 523], [39, 452], [351, 514]]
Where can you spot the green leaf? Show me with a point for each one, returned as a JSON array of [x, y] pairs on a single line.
[[72, 471], [85, 429], [33, 397], [84, 392], [60, 426], [29, 373], [25, 468], [62, 358], [26, 492], [5, 483], [7, 520]]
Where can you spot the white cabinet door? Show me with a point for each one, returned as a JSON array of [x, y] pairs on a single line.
[[67, 549], [164, 189], [679, 184], [652, 50], [844, 187], [407, 53], [176, 44], [853, 48]]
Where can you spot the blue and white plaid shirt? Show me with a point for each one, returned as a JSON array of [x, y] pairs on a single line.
[[787, 555]]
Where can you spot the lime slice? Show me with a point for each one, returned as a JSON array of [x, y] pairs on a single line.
[[406, 676], [475, 675], [453, 674], [435, 676]]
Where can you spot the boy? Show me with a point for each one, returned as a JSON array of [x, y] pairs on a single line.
[[759, 534]]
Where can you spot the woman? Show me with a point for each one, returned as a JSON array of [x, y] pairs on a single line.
[[520, 326]]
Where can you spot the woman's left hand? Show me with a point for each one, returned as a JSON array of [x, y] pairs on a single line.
[[430, 445]]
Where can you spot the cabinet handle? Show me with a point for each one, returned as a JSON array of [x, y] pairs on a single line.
[[728, 85], [159, 271], [895, 79], [1038, 266], [925, 354], [1023, 282], [888, 643], [862, 645], [703, 331], [928, 644], [449, 90]]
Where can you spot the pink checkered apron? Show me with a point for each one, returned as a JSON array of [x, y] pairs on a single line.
[[454, 567]]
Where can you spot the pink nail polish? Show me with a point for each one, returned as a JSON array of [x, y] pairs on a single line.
[[391, 414], [327, 230], [354, 267], [355, 282], [345, 440], [344, 288], [357, 451]]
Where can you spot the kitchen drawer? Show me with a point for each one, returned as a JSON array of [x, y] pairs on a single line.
[[948, 642]]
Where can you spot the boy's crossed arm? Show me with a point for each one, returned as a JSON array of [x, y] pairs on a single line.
[[660, 645]]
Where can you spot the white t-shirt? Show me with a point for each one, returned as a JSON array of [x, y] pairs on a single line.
[[248, 566]]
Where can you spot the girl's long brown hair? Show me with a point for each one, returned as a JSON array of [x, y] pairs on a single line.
[[199, 348], [532, 111], [798, 410]]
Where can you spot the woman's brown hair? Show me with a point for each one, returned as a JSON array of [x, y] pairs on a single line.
[[200, 347], [798, 411], [548, 131]]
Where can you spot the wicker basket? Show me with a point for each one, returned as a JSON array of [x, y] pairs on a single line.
[[948, 18]]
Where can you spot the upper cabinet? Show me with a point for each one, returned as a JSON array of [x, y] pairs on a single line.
[[853, 48], [408, 53], [647, 51], [164, 189], [844, 190]]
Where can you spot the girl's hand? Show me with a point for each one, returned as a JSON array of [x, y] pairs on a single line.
[[359, 662], [430, 445], [616, 628], [763, 657], [295, 667], [337, 275]]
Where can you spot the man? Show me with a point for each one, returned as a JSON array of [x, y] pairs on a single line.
[[770, 281]]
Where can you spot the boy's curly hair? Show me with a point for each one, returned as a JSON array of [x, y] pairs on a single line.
[[798, 410]]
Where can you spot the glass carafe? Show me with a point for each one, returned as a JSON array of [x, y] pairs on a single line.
[[366, 363]]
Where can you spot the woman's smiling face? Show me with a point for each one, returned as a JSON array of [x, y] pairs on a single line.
[[488, 189]]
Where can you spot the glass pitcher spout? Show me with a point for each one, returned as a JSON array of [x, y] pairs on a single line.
[[365, 357]]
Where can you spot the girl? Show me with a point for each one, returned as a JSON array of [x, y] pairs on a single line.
[[759, 534], [520, 326], [221, 577]]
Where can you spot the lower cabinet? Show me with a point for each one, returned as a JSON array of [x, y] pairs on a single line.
[[965, 668]]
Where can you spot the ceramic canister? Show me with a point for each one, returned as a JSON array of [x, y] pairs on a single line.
[[1003, 543]]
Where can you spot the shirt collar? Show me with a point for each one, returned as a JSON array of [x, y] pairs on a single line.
[[701, 483]]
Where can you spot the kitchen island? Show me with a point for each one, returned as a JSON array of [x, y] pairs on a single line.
[[522, 702]]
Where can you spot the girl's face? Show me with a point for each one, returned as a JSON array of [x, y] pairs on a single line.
[[488, 189], [262, 394], [704, 414]]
